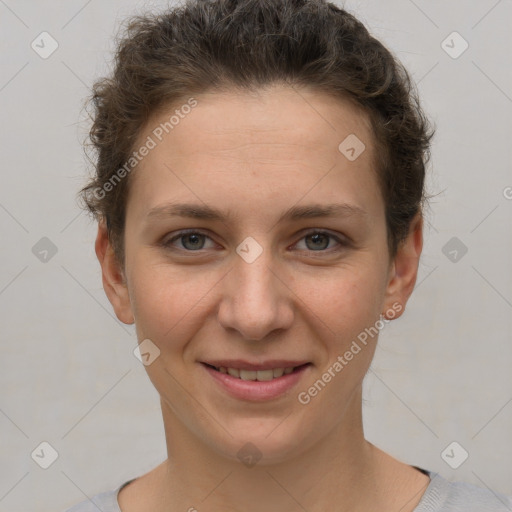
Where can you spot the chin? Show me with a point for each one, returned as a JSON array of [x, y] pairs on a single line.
[[271, 442]]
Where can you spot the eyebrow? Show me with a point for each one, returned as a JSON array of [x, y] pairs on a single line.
[[204, 212]]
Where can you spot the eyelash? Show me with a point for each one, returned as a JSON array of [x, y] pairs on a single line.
[[167, 243]]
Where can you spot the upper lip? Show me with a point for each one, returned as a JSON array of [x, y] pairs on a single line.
[[246, 365]]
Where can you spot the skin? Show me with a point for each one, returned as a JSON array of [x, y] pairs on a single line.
[[256, 155]]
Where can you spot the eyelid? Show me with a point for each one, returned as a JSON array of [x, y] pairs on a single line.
[[342, 240], [167, 241]]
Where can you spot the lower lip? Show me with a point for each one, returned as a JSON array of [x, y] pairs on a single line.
[[255, 390]]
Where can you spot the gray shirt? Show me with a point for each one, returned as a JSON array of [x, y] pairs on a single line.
[[441, 495]]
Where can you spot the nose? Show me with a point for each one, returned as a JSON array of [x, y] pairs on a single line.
[[255, 299]]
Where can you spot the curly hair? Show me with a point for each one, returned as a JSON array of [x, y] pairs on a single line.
[[212, 45]]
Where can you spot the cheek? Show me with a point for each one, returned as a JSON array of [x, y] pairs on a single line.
[[171, 302], [168, 301], [345, 299]]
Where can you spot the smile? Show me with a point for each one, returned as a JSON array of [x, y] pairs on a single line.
[[256, 385], [259, 375]]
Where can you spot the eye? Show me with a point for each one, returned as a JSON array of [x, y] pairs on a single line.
[[190, 240], [193, 240], [318, 241]]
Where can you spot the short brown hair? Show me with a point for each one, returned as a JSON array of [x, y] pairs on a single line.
[[208, 45]]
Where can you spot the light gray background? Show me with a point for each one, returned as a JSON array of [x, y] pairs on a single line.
[[68, 375]]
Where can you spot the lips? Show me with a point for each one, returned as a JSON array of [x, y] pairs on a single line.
[[256, 385], [240, 364], [263, 375]]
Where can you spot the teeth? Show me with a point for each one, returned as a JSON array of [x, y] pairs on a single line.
[[234, 372], [260, 375], [278, 372], [248, 375]]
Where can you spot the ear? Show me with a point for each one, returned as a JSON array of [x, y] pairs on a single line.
[[404, 270], [114, 282]]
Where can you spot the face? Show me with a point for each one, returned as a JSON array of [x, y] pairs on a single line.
[[252, 240]]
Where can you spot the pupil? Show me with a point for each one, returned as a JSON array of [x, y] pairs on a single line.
[[316, 237], [195, 239]]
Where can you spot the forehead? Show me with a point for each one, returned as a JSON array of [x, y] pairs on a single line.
[[269, 142], [276, 114]]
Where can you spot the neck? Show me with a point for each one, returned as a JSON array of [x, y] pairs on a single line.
[[339, 471]]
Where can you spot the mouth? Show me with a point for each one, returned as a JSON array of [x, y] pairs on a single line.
[[262, 375], [270, 380]]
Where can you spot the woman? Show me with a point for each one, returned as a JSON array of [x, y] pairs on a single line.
[[259, 192]]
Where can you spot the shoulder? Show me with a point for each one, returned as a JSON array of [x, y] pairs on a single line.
[[444, 496], [105, 501]]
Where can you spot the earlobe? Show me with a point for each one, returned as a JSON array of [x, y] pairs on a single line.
[[404, 269], [114, 282]]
